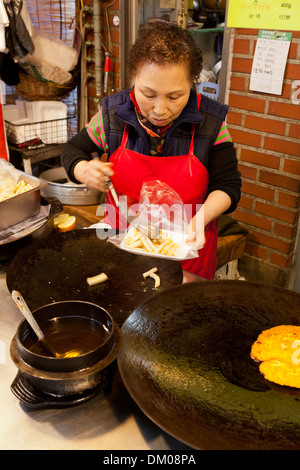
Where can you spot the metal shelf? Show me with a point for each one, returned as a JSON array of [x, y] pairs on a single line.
[[206, 30]]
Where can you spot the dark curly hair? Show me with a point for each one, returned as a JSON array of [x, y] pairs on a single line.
[[165, 43]]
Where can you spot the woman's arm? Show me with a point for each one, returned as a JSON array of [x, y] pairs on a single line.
[[224, 191], [224, 174]]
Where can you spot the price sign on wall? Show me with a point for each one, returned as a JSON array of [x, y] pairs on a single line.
[[269, 62], [264, 14]]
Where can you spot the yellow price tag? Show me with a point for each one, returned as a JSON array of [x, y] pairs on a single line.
[[264, 14]]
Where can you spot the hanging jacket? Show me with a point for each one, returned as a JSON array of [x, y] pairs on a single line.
[[17, 38]]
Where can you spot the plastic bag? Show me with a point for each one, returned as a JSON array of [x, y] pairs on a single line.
[[52, 60], [160, 226]]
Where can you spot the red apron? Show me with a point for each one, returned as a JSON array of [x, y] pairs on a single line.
[[184, 173]]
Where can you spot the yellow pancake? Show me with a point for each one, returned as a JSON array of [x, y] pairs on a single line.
[[278, 350]]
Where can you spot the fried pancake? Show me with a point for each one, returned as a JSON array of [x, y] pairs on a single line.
[[277, 349], [275, 343], [281, 372]]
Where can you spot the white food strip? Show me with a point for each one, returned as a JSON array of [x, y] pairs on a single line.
[[102, 277], [151, 273]]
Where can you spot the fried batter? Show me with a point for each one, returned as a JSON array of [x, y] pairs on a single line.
[[277, 349], [281, 372]]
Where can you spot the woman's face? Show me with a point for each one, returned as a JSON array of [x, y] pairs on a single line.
[[162, 91]]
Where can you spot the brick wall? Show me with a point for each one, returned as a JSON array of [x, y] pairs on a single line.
[[266, 131]]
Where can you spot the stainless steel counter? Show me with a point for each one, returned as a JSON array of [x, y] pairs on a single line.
[[109, 421]]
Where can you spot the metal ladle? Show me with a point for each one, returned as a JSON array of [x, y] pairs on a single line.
[[24, 309]]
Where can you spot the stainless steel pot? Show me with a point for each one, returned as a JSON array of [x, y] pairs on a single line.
[[23, 206], [67, 192], [9, 249]]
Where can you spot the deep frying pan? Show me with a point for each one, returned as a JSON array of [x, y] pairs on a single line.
[[186, 362], [56, 269]]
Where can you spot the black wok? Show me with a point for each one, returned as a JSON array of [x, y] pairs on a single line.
[[57, 267], [186, 362]]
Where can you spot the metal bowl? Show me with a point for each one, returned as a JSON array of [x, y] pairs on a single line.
[[67, 192]]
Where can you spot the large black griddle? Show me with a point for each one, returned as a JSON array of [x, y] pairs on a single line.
[[56, 269], [186, 362]]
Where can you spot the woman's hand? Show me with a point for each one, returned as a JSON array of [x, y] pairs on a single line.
[[195, 231], [216, 204], [93, 173]]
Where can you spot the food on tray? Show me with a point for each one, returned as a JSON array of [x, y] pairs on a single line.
[[98, 279], [162, 245], [278, 350], [9, 190], [64, 222], [152, 273]]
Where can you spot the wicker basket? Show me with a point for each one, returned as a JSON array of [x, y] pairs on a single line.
[[32, 89]]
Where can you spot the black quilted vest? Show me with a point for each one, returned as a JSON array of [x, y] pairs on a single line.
[[118, 109]]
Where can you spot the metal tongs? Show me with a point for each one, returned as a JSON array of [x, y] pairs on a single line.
[[108, 183], [142, 225], [139, 222]]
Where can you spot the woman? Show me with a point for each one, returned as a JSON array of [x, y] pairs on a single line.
[[162, 129]]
